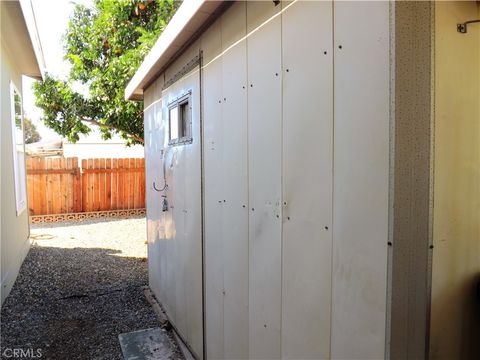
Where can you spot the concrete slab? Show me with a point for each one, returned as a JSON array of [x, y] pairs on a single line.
[[149, 344]]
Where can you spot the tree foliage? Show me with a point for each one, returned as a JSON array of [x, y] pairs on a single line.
[[104, 45], [30, 131]]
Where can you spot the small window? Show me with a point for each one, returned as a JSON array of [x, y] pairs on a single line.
[[180, 121], [18, 150]]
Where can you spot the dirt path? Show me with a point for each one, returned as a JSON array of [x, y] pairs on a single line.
[[79, 287]]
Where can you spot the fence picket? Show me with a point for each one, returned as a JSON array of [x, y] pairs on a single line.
[[131, 184], [114, 184], [108, 184], [42, 189]]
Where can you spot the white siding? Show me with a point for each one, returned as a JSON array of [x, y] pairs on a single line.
[[235, 182], [295, 184], [213, 145], [265, 176], [361, 170], [307, 179]]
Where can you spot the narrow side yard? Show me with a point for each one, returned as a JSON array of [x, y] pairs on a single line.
[[78, 289]]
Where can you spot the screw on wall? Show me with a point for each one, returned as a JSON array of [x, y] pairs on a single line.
[[462, 28]]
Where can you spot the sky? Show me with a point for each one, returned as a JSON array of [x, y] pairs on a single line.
[[52, 22]]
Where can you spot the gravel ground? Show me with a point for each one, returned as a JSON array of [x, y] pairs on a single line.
[[79, 287]]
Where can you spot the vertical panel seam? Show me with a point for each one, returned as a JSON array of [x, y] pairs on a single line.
[[333, 173], [202, 203], [248, 172], [391, 197], [431, 182], [281, 180]]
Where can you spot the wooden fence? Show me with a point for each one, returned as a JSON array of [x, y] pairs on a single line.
[[62, 185]]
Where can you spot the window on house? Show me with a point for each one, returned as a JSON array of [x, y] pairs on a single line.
[[180, 120], [18, 150]]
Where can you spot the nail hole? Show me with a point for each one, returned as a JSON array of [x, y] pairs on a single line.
[[324, 53], [251, 85], [253, 209], [243, 205], [288, 70], [326, 227], [339, 46], [431, 246], [278, 216], [288, 218], [389, 243], [276, 74]]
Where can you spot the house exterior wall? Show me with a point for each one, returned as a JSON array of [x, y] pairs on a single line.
[[14, 229], [455, 311], [295, 244]]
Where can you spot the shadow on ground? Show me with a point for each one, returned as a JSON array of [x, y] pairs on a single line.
[[73, 303]]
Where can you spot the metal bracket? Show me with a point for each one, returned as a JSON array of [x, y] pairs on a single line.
[[165, 187], [462, 28]]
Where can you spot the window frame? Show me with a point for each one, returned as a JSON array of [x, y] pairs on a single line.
[[184, 127], [19, 170]]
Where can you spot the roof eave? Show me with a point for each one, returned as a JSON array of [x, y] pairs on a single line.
[[184, 25], [30, 20]]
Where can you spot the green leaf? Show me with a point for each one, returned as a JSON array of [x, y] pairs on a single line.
[[105, 45]]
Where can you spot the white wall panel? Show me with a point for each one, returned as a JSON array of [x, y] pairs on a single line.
[[183, 236], [307, 179], [235, 182], [213, 189], [153, 165], [361, 173], [264, 156], [192, 219]]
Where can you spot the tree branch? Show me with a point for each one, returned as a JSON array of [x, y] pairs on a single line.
[[99, 124]]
